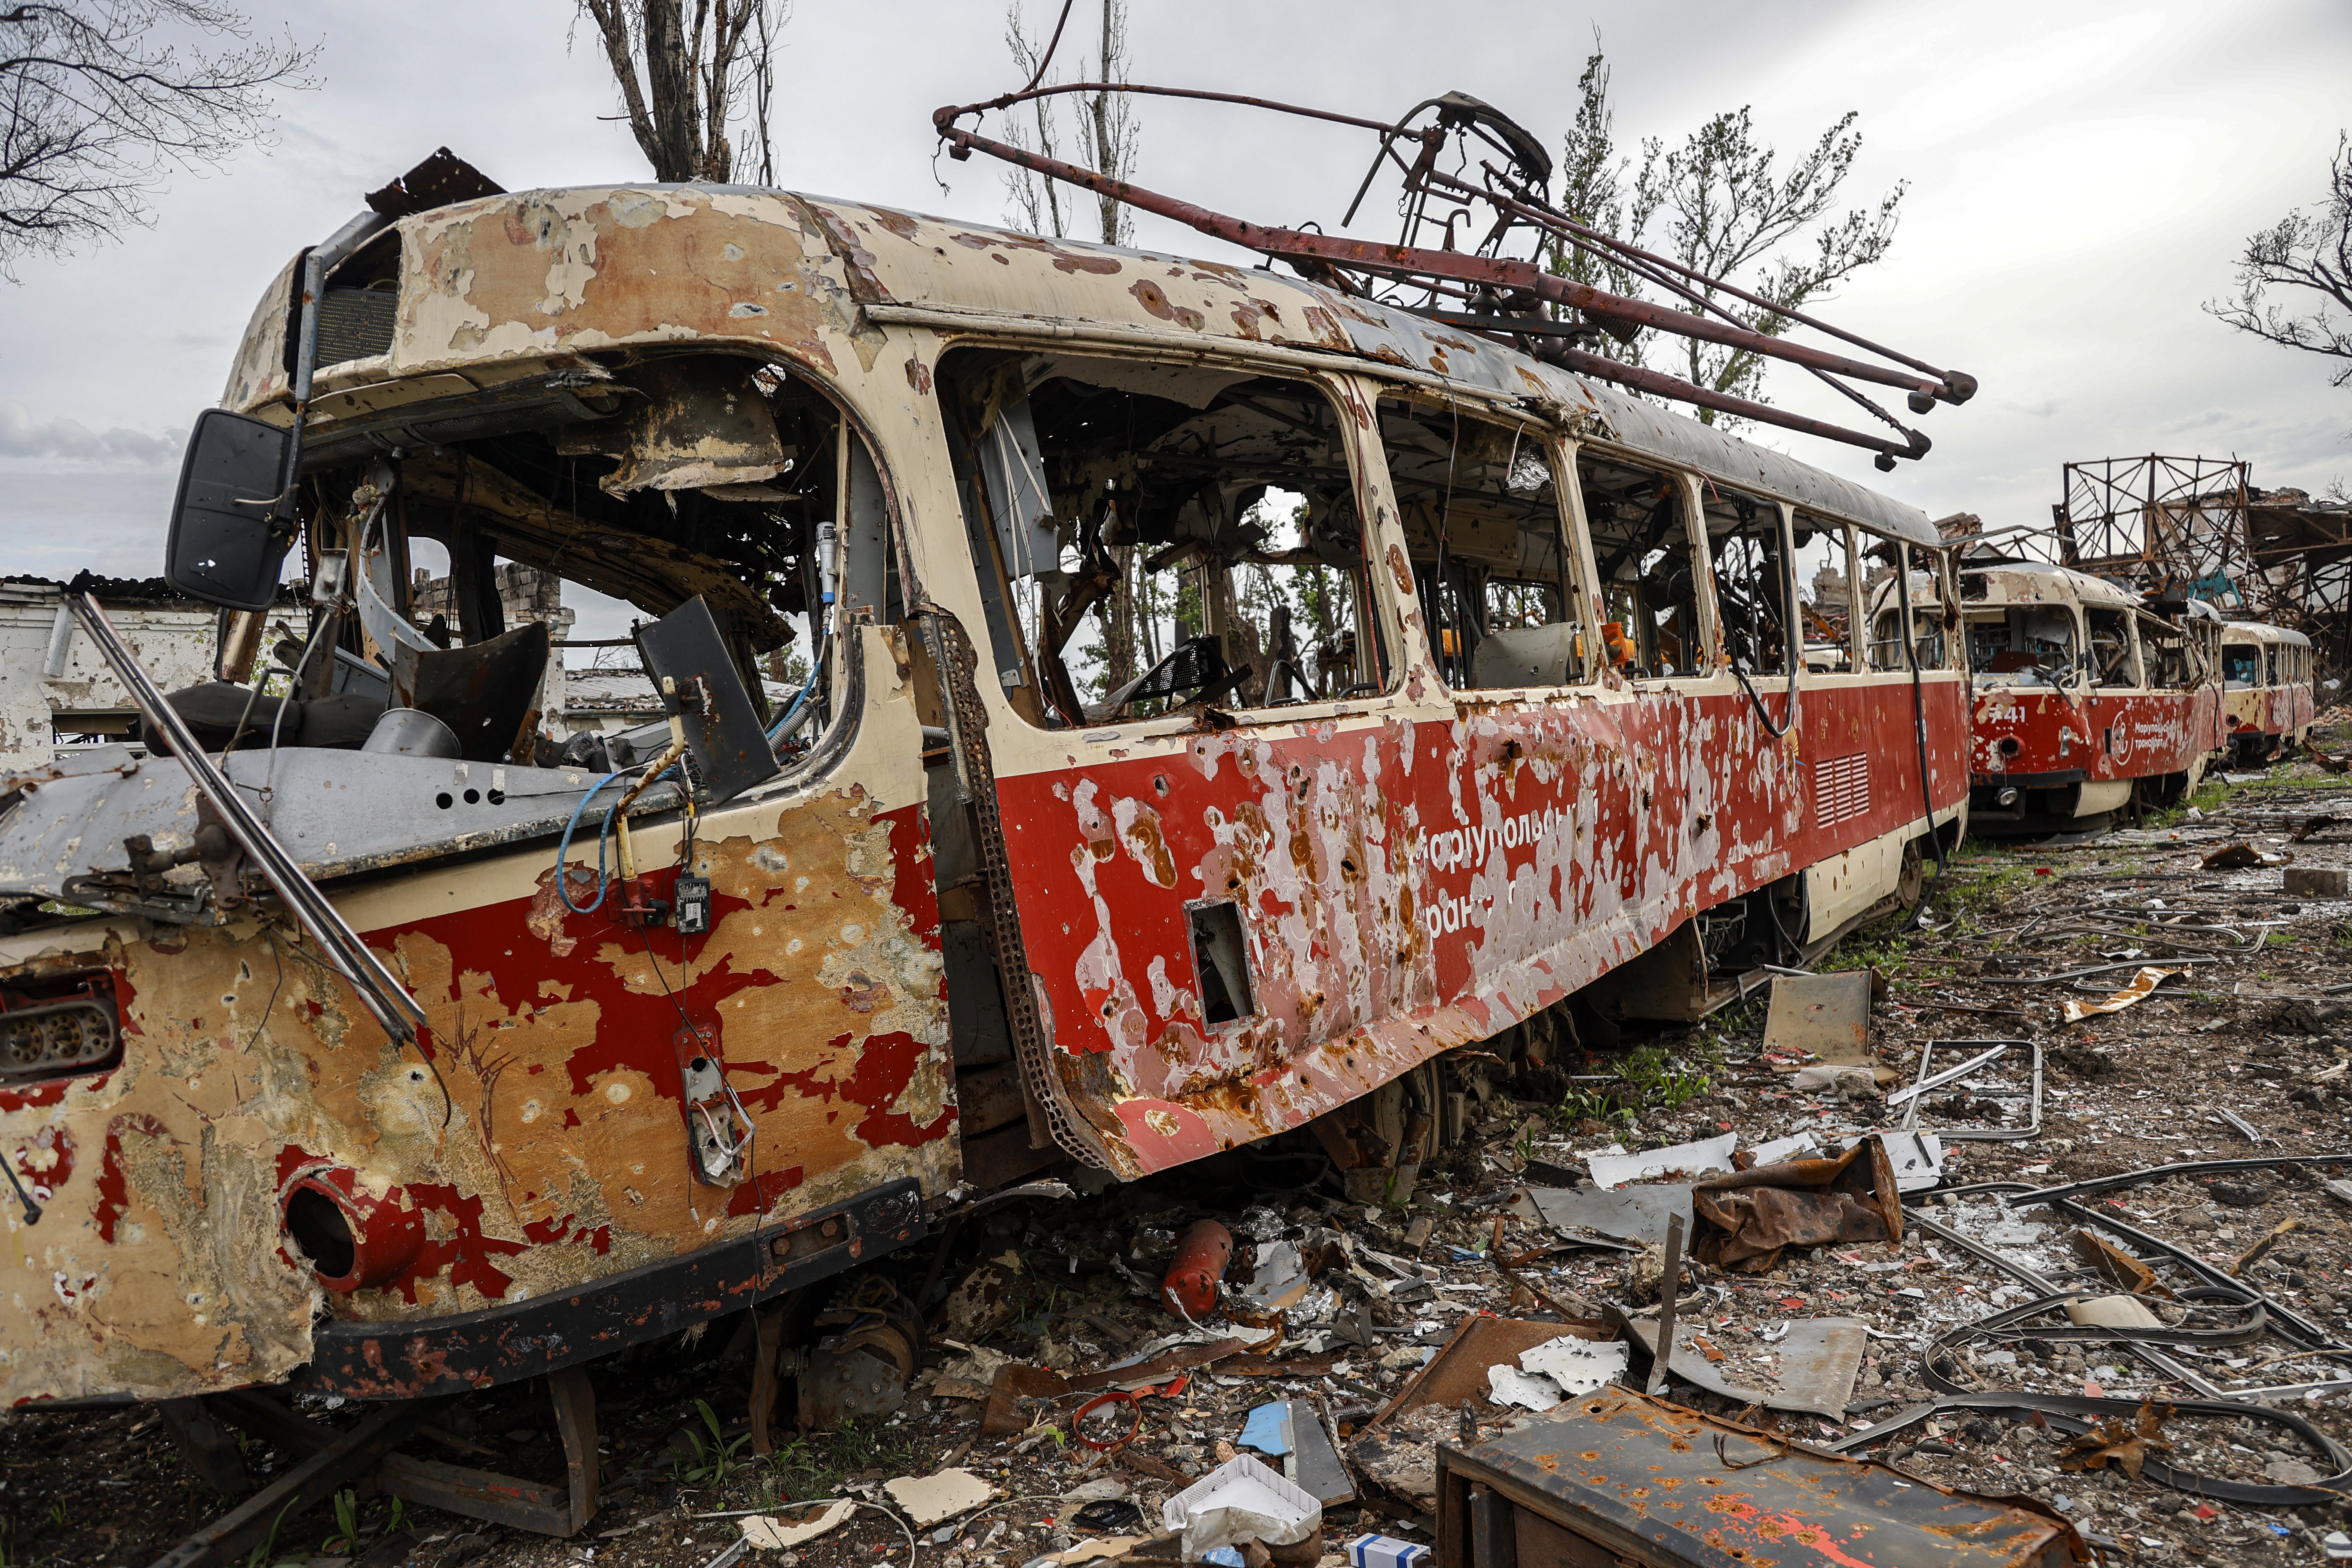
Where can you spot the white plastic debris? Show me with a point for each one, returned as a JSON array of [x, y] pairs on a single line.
[[1578, 1366], [927, 1499], [1510, 1385], [1797, 1146], [1707, 1154], [1240, 1500], [765, 1532]]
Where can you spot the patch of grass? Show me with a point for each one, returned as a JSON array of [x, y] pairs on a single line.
[[1593, 1105], [346, 1535], [810, 1464], [713, 1459], [262, 1556], [1646, 1080]]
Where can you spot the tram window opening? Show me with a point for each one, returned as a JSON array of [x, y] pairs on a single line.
[[2173, 661], [2273, 662], [2241, 666], [1489, 543], [2111, 662], [2024, 645], [518, 552], [1885, 650], [1641, 549], [1826, 576], [1150, 538], [1753, 590]]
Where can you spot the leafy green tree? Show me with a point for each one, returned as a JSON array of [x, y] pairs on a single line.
[[1722, 204]]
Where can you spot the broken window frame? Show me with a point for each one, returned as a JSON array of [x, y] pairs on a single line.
[[2090, 667], [1781, 553], [1857, 626], [2160, 640], [1703, 639], [1941, 651], [1571, 544], [474, 545], [1377, 606]]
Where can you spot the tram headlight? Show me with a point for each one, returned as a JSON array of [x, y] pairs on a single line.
[[2006, 797]]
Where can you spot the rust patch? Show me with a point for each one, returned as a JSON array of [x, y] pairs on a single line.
[[1154, 300]]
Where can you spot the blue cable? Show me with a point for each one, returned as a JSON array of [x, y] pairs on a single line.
[[563, 849], [794, 711]]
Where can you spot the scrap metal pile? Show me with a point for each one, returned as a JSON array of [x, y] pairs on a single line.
[[2038, 1225]]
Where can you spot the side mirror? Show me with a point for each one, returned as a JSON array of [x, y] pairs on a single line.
[[228, 540]]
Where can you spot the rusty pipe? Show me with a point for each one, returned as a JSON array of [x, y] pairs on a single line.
[[1493, 273], [1601, 368], [621, 807], [1948, 386], [1956, 386]]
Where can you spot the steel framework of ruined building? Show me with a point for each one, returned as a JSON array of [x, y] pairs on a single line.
[[2197, 527], [2169, 526]]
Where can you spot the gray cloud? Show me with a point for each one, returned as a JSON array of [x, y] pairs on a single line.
[[22, 436]]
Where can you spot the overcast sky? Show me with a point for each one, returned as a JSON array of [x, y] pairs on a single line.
[[2081, 179]]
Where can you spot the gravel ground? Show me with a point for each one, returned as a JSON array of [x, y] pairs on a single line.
[[2253, 1026]]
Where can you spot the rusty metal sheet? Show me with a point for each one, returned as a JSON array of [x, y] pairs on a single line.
[[1827, 1015], [1618, 1476], [1458, 1371], [1810, 1369]]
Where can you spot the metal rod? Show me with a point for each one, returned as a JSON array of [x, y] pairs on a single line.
[[1486, 271], [1669, 1286], [2149, 1354], [385, 996], [1960, 386]]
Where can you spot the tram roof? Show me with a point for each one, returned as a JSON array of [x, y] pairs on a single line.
[[522, 277], [2262, 632]]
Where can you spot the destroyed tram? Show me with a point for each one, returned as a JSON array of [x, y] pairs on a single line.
[[654, 1028]]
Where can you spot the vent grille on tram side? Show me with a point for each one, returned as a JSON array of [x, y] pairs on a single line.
[[355, 324], [1841, 789]]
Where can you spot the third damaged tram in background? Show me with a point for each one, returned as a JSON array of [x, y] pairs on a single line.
[[2267, 697], [2086, 700]]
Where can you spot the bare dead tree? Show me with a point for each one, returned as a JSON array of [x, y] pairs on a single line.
[[1102, 127], [1724, 209], [690, 71], [101, 99], [2310, 250]]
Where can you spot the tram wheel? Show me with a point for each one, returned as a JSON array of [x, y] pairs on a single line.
[[1911, 882]]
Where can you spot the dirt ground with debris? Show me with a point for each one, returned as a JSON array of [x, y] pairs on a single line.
[[2252, 1026]]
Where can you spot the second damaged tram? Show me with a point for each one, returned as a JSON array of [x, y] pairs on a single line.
[[2086, 700], [1541, 712]]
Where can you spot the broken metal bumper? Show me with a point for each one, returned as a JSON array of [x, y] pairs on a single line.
[[414, 1360]]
